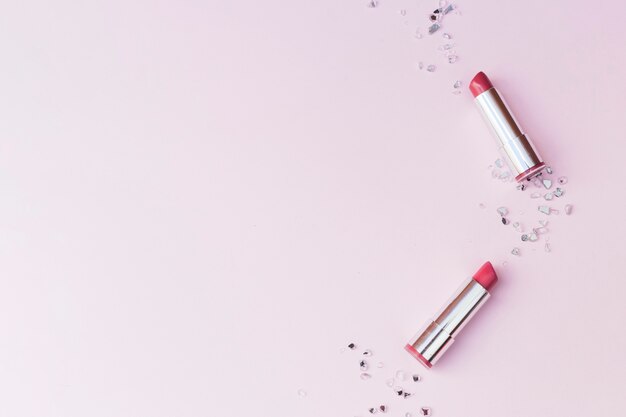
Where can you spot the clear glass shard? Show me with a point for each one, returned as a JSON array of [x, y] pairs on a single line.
[[416, 378], [380, 365], [420, 65], [558, 192], [351, 346], [431, 68], [433, 28], [562, 180], [533, 237], [544, 209], [549, 170], [383, 408], [452, 59], [425, 411], [499, 163], [547, 183], [372, 4], [447, 36], [373, 410], [363, 365], [367, 352], [515, 251], [502, 211], [548, 196], [568, 209], [457, 84]]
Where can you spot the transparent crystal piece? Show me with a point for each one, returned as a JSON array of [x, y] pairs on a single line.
[[416, 378], [533, 237], [537, 182], [402, 12], [425, 411], [562, 180], [554, 211], [364, 366], [302, 393], [401, 376], [431, 68], [502, 211], [568, 209], [544, 223], [418, 34], [398, 390], [524, 238], [367, 352], [452, 59], [558, 192], [544, 209], [499, 163], [549, 170], [365, 376], [373, 410], [515, 251], [351, 346], [433, 28], [406, 394], [383, 408], [457, 84], [407, 414], [420, 65], [548, 196], [547, 183], [447, 36], [372, 3]]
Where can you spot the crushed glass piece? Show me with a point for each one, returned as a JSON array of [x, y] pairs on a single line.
[[544, 209], [383, 408], [352, 346], [365, 376], [457, 84], [544, 223], [562, 180], [449, 8], [434, 27], [390, 382], [499, 163], [540, 230], [548, 196], [515, 251], [533, 237], [372, 3], [380, 365], [521, 187], [447, 36], [524, 238], [549, 170], [535, 195], [547, 183], [452, 59], [402, 12], [364, 366], [547, 247], [446, 47], [425, 411], [367, 352], [558, 192], [417, 378], [373, 410], [401, 376], [407, 394], [481, 205], [398, 390], [502, 211], [568, 209], [518, 227], [505, 221], [504, 175], [302, 393], [420, 65], [431, 68]]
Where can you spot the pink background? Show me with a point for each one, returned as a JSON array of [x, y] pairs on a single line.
[[203, 202]]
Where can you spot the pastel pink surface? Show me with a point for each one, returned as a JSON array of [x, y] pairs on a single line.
[[486, 276], [203, 202]]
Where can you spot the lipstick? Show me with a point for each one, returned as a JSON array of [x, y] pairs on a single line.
[[438, 335], [519, 152]]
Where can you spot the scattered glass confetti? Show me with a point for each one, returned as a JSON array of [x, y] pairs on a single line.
[[407, 394], [452, 59], [457, 84], [420, 65], [537, 182], [390, 382], [505, 175], [505, 221], [352, 346], [518, 227], [562, 180], [372, 3], [535, 195], [447, 36], [449, 8], [533, 237], [515, 251], [417, 378], [365, 376], [547, 183], [383, 408], [544, 209], [547, 247], [540, 230], [558, 192], [364, 366], [373, 410], [434, 28], [302, 393], [524, 238], [367, 352], [568, 209], [403, 12], [502, 211], [549, 170], [431, 68], [521, 187], [499, 163], [543, 222], [398, 390], [425, 411], [548, 196]]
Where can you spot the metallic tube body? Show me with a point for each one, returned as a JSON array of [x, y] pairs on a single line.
[[439, 334]]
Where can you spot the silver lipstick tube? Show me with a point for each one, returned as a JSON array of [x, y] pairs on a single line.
[[439, 334], [513, 143]]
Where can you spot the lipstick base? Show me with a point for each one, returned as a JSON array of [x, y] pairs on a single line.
[[417, 356], [530, 172]]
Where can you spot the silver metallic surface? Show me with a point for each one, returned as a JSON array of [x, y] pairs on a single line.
[[439, 334], [515, 145]]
